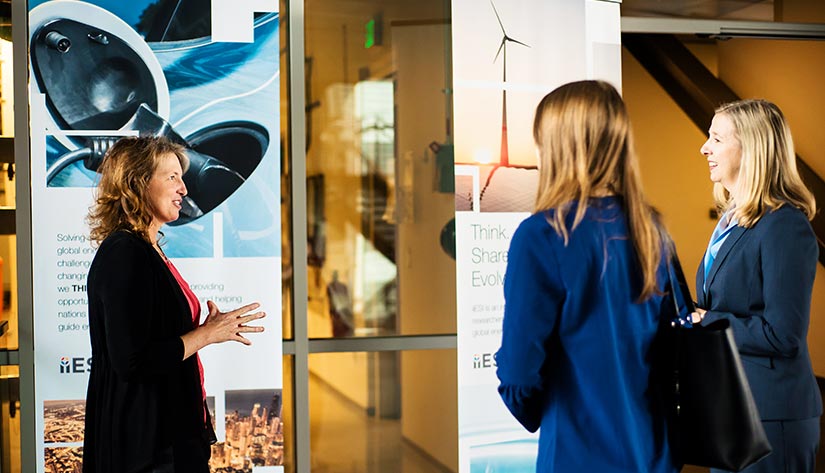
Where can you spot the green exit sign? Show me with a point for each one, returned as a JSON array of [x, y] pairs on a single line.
[[369, 34], [372, 32]]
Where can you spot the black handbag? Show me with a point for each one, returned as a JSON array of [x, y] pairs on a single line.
[[712, 419]]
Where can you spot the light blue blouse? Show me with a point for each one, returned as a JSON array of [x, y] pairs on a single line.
[[717, 239]]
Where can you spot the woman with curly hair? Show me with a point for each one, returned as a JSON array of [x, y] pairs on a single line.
[[145, 409]]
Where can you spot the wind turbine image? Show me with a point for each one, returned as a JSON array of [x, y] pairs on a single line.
[[504, 160], [505, 157]]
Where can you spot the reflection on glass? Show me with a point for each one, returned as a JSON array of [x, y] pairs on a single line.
[[8, 283], [8, 247], [10, 419], [286, 177], [377, 94], [288, 409], [380, 412]]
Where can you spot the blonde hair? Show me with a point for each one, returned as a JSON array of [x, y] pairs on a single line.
[[768, 178], [121, 202], [585, 146]]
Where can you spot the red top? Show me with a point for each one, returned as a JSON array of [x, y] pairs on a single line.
[[195, 307]]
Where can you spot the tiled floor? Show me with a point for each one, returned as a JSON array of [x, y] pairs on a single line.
[[346, 440]]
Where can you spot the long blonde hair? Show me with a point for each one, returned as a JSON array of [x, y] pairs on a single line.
[[768, 177], [585, 144], [121, 202]]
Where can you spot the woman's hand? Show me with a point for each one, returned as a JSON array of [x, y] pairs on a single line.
[[698, 316], [227, 326], [222, 327]]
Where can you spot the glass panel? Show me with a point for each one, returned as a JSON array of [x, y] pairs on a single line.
[[8, 283], [288, 413], [10, 419], [8, 242], [371, 412], [286, 176], [379, 168]]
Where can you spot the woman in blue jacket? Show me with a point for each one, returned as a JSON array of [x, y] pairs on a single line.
[[758, 273], [584, 294]]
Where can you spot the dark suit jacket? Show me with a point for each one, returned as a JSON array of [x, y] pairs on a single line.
[[761, 281], [141, 398]]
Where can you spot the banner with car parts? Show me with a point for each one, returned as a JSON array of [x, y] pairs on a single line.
[[206, 75]]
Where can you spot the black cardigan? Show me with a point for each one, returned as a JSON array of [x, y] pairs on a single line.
[[142, 399]]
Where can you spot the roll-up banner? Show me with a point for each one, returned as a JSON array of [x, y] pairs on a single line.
[[207, 78], [506, 57]]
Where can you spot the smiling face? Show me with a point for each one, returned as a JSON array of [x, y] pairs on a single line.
[[723, 152], [166, 191]]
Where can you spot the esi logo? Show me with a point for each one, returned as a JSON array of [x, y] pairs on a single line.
[[484, 360], [75, 365]]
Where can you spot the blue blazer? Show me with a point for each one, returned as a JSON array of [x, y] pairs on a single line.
[[761, 281], [575, 356]]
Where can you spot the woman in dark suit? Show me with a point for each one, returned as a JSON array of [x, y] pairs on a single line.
[[145, 409], [584, 295], [758, 273]]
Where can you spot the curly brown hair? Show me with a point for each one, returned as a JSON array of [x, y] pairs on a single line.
[[121, 202]]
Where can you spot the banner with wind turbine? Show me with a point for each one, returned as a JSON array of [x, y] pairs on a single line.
[[506, 57]]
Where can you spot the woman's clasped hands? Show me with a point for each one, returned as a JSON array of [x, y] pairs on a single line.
[[222, 327], [228, 326], [698, 316]]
